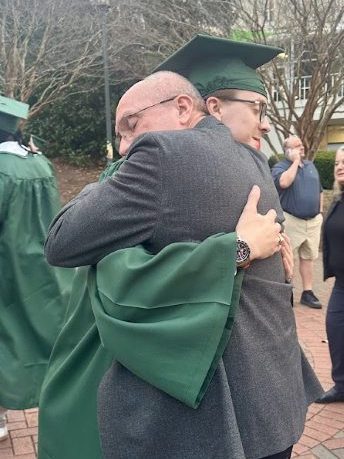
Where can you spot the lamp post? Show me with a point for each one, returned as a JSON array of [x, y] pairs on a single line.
[[103, 7]]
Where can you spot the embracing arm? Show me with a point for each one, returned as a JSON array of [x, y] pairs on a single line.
[[120, 212]]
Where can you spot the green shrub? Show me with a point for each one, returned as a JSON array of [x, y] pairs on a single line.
[[324, 162], [274, 160], [74, 127]]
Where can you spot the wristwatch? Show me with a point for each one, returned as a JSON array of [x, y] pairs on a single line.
[[242, 254]]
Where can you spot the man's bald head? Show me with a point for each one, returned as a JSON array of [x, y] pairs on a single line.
[[162, 101], [292, 141], [293, 147], [160, 86]]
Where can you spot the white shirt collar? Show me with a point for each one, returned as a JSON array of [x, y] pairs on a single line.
[[14, 148]]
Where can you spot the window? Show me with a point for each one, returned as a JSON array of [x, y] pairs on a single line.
[[304, 86]]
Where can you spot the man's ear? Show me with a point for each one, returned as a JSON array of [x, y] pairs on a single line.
[[214, 107], [185, 106]]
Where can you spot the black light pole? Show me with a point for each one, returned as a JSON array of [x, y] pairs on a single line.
[[103, 7]]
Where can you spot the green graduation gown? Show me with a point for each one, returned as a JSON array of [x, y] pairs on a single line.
[[33, 295], [176, 308]]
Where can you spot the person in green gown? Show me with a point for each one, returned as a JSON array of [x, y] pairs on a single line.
[[79, 361], [33, 294]]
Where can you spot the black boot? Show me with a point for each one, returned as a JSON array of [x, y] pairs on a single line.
[[331, 396]]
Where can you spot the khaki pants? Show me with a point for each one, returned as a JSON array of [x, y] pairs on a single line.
[[304, 235]]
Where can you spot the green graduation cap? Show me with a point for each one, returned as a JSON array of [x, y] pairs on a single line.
[[213, 63], [11, 112]]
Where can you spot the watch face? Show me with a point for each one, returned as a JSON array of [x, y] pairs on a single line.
[[243, 251]]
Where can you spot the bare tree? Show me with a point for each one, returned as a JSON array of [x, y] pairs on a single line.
[[45, 47], [143, 33], [48, 48], [307, 86]]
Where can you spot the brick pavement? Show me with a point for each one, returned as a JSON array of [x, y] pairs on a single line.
[[323, 437], [22, 442]]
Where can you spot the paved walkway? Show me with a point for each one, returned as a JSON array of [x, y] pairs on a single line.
[[323, 437]]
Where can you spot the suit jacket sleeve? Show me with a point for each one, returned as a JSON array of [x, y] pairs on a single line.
[[118, 213]]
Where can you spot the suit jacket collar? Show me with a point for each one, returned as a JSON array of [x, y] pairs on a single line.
[[208, 122]]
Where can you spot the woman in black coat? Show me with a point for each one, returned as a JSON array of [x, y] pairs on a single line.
[[333, 258]]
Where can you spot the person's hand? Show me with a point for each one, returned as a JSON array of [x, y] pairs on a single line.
[[294, 154], [260, 232], [287, 257]]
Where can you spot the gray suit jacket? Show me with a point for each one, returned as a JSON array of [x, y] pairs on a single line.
[[185, 186]]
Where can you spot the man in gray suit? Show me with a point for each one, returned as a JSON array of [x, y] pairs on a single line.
[[178, 186]]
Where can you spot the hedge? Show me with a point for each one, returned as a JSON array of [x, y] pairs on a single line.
[[324, 162]]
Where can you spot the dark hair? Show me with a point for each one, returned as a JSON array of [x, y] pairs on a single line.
[[5, 136], [9, 137]]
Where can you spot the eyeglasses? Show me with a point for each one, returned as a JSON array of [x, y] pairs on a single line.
[[258, 103], [126, 126], [153, 105]]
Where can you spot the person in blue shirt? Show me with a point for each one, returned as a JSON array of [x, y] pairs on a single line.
[[298, 184]]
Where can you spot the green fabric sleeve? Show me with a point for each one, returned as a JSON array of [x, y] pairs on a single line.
[[111, 170], [168, 317]]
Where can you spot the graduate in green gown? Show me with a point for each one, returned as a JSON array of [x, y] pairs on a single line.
[[164, 284], [33, 295]]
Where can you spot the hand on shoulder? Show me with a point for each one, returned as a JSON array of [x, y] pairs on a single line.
[[260, 232]]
